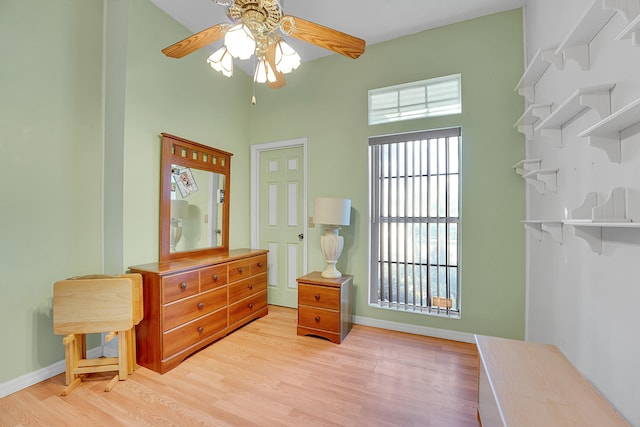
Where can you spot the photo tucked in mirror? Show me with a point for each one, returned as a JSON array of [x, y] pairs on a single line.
[[197, 199]]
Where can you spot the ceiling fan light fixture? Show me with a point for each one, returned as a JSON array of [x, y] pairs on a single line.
[[264, 72], [287, 59], [222, 61], [240, 42]]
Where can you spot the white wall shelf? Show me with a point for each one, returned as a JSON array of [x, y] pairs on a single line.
[[575, 46], [597, 98], [537, 227], [608, 132], [542, 179], [525, 166], [537, 67], [589, 218], [525, 124]]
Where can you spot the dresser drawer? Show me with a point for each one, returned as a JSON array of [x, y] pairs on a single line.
[[247, 307], [247, 287], [180, 338], [319, 296], [319, 318], [213, 277], [182, 311], [180, 286], [258, 265], [239, 270]]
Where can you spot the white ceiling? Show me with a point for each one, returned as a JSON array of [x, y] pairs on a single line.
[[374, 21]]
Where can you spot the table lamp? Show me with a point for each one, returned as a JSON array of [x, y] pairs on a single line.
[[332, 213]]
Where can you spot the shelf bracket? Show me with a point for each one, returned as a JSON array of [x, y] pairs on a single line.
[[611, 146], [600, 102], [579, 54], [555, 229], [628, 9], [542, 179], [592, 235], [535, 230], [552, 57]]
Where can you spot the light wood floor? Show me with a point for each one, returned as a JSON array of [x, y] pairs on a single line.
[[266, 375]]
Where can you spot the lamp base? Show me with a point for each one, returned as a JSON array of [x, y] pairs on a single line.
[[331, 244], [331, 272]]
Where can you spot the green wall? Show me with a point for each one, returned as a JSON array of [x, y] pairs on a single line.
[[51, 163], [326, 101], [67, 141]]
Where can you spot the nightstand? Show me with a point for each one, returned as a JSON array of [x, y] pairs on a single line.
[[324, 306]]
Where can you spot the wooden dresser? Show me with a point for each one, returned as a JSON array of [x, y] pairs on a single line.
[[324, 306], [191, 302]]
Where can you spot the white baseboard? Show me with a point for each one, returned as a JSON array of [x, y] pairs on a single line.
[[40, 375], [415, 329]]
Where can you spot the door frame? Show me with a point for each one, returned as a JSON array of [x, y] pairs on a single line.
[[256, 149]]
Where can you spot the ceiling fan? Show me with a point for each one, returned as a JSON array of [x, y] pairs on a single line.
[[255, 29]]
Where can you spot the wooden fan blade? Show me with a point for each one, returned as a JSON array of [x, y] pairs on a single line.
[[271, 58], [196, 41], [325, 37]]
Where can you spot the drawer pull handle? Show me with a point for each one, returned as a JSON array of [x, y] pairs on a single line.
[[260, 265], [250, 305], [183, 285], [317, 318], [240, 270], [200, 306], [215, 277], [317, 297], [250, 286], [201, 329]]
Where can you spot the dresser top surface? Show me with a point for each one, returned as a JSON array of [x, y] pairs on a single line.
[[181, 264]]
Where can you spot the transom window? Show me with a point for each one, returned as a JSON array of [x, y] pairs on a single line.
[[426, 98], [415, 220]]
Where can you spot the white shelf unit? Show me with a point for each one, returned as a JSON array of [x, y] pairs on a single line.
[[608, 133], [525, 124], [542, 179], [589, 218], [525, 166], [575, 46], [597, 98], [537, 67], [538, 226]]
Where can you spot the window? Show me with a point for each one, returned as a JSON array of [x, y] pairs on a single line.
[[434, 97], [415, 221]]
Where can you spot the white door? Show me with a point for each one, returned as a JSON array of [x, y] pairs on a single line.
[[280, 220]]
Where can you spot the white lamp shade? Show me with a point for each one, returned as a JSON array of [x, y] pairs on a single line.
[[222, 61], [287, 59], [240, 42], [332, 211]]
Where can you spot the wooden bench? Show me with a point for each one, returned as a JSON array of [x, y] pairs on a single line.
[[529, 384]]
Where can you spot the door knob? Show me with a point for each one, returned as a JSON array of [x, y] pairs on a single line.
[[300, 236]]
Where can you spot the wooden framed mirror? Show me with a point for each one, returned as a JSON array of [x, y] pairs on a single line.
[[194, 199]]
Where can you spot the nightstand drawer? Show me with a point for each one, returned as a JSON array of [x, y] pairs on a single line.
[[319, 318], [247, 287], [183, 311], [189, 334], [319, 296], [180, 286]]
